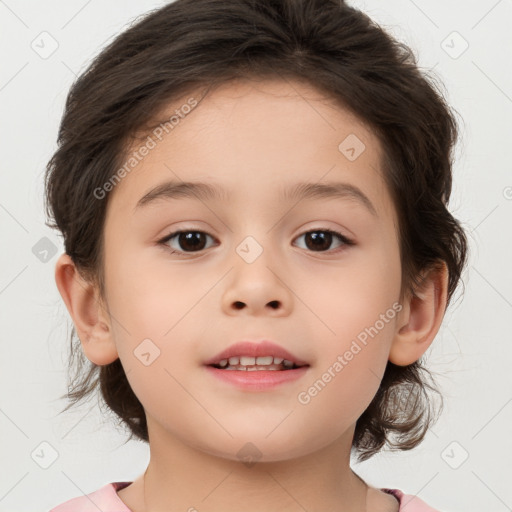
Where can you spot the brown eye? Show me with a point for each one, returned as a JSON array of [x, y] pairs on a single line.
[[186, 241], [320, 240]]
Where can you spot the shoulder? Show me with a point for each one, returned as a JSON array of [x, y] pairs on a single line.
[[409, 503], [104, 499]]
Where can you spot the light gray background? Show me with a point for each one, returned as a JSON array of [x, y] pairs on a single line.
[[471, 354]]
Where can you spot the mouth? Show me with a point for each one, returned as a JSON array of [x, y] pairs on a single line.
[[247, 356], [258, 374], [260, 363]]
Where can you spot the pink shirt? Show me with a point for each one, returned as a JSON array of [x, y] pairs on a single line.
[[106, 499]]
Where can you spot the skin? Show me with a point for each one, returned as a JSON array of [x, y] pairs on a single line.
[[253, 138]]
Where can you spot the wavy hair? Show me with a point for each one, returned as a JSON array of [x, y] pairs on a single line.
[[201, 44]]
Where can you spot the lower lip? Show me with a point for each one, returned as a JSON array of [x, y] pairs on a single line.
[[257, 380]]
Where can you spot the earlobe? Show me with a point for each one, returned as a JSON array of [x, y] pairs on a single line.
[[421, 318], [87, 312]]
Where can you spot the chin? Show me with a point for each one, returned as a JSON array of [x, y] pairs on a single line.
[[253, 449]]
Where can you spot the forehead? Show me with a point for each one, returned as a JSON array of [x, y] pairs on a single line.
[[254, 137]]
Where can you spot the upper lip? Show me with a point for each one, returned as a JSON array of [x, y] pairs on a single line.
[[252, 349]]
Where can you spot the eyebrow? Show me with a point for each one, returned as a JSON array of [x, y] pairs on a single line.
[[299, 191]]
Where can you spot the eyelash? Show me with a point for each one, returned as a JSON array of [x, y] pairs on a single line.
[[345, 241]]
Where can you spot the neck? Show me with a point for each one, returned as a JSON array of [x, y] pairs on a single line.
[[180, 477]]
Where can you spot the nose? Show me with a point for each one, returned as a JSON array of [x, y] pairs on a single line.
[[257, 289]]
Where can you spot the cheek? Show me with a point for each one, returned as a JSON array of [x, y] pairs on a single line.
[[149, 297], [353, 298], [171, 401], [345, 381], [339, 388], [359, 314]]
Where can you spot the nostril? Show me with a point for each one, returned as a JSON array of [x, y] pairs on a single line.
[[273, 304]]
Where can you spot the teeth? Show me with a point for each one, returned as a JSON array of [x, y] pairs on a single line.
[[254, 368], [250, 363], [263, 360]]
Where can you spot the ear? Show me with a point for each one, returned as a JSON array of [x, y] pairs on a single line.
[[421, 317], [89, 315]]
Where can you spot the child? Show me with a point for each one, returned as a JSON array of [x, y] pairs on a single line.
[[255, 363]]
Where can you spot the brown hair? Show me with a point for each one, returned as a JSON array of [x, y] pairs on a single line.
[[190, 44]]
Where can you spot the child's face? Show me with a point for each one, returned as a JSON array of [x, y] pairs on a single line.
[[312, 298]]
